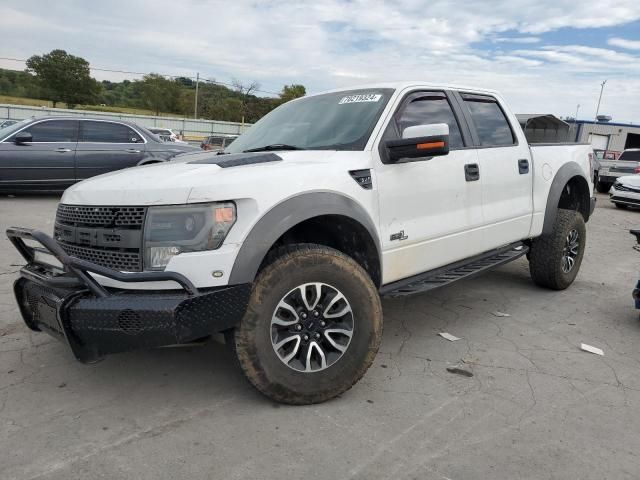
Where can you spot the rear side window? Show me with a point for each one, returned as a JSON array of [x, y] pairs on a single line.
[[215, 141], [427, 109], [54, 131], [107, 132], [489, 120], [630, 155]]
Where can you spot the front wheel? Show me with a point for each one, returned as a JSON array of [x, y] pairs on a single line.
[[554, 259], [312, 328]]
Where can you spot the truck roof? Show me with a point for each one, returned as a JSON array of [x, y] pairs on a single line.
[[409, 84]]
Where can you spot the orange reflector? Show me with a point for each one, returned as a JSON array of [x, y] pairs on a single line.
[[224, 215], [424, 146]]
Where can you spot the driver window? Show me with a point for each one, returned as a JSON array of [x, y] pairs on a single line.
[[431, 109]]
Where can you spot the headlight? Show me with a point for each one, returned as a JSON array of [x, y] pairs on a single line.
[[169, 231]]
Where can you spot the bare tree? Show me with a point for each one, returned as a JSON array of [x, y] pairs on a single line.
[[244, 90]]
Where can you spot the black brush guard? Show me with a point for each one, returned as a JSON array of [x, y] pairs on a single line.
[[68, 303]]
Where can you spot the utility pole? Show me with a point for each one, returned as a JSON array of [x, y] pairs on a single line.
[[575, 121], [195, 108], [600, 98]]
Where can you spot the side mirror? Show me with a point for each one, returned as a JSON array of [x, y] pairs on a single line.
[[23, 137], [420, 141]]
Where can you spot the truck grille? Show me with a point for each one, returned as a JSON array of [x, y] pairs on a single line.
[[108, 236], [101, 216]]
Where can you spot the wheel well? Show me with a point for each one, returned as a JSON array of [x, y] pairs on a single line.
[[575, 196], [336, 231]]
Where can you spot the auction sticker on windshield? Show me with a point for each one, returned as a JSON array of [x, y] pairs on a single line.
[[367, 97]]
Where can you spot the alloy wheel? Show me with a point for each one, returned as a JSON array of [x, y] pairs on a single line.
[[312, 327], [570, 251]]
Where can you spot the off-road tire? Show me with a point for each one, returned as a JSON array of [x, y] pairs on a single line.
[[545, 256], [603, 187], [290, 267]]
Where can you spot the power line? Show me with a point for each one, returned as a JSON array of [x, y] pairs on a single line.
[[226, 84]]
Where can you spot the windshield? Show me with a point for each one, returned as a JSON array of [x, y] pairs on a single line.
[[6, 131], [332, 121], [630, 155]]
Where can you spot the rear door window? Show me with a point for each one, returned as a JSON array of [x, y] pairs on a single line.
[[108, 132], [430, 108], [490, 122], [54, 131]]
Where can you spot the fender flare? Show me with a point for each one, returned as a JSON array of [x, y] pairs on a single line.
[[286, 215], [563, 175]]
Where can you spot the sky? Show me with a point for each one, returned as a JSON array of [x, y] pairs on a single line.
[[545, 56]]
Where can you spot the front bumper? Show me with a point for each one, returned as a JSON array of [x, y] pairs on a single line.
[[69, 304], [625, 197]]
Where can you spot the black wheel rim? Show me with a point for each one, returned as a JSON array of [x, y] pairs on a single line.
[[312, 327], [570, 251]]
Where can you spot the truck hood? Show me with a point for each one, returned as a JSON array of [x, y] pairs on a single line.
[[200, 177]]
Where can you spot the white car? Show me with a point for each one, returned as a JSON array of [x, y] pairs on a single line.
[[287, 239], [625, 191], [166, 134]]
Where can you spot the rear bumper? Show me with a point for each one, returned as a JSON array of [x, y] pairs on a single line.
[[94, 322], [636, 295]]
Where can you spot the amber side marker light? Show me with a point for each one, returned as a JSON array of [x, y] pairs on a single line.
[[426, 146], [224, 215]]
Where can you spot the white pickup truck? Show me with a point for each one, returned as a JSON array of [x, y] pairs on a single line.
[[287, 240]]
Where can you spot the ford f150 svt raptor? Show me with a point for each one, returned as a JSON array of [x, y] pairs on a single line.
[[286, 240]]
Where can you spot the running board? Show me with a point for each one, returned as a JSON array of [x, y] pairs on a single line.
[[456, 271]]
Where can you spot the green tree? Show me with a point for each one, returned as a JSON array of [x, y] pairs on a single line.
[[63, 77], [160, 94], [289, 92]]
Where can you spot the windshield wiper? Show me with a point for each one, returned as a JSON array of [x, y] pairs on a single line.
[[274, 146]]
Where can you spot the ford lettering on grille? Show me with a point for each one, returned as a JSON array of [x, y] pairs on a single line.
[[107, 236]]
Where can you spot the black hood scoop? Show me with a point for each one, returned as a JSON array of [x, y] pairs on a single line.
[[239, 159]]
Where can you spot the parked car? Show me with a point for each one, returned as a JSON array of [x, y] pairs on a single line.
[[7, 123], [217, 143], [625, 191], [635, 294], [49, 154], [286, 242], [627, 163], [166, 134]]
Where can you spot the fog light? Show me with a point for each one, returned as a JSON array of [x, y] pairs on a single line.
[[159, 256]]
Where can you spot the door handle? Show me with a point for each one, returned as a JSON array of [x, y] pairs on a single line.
[[471, 172], [523, 166], [63, 150], [132, 150]]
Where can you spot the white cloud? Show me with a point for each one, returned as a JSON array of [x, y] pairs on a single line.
[[624, 43], [331, 43], [517, 40]]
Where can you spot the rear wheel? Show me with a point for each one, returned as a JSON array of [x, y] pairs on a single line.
[[603, 187], [555, 259], [312, 328]]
